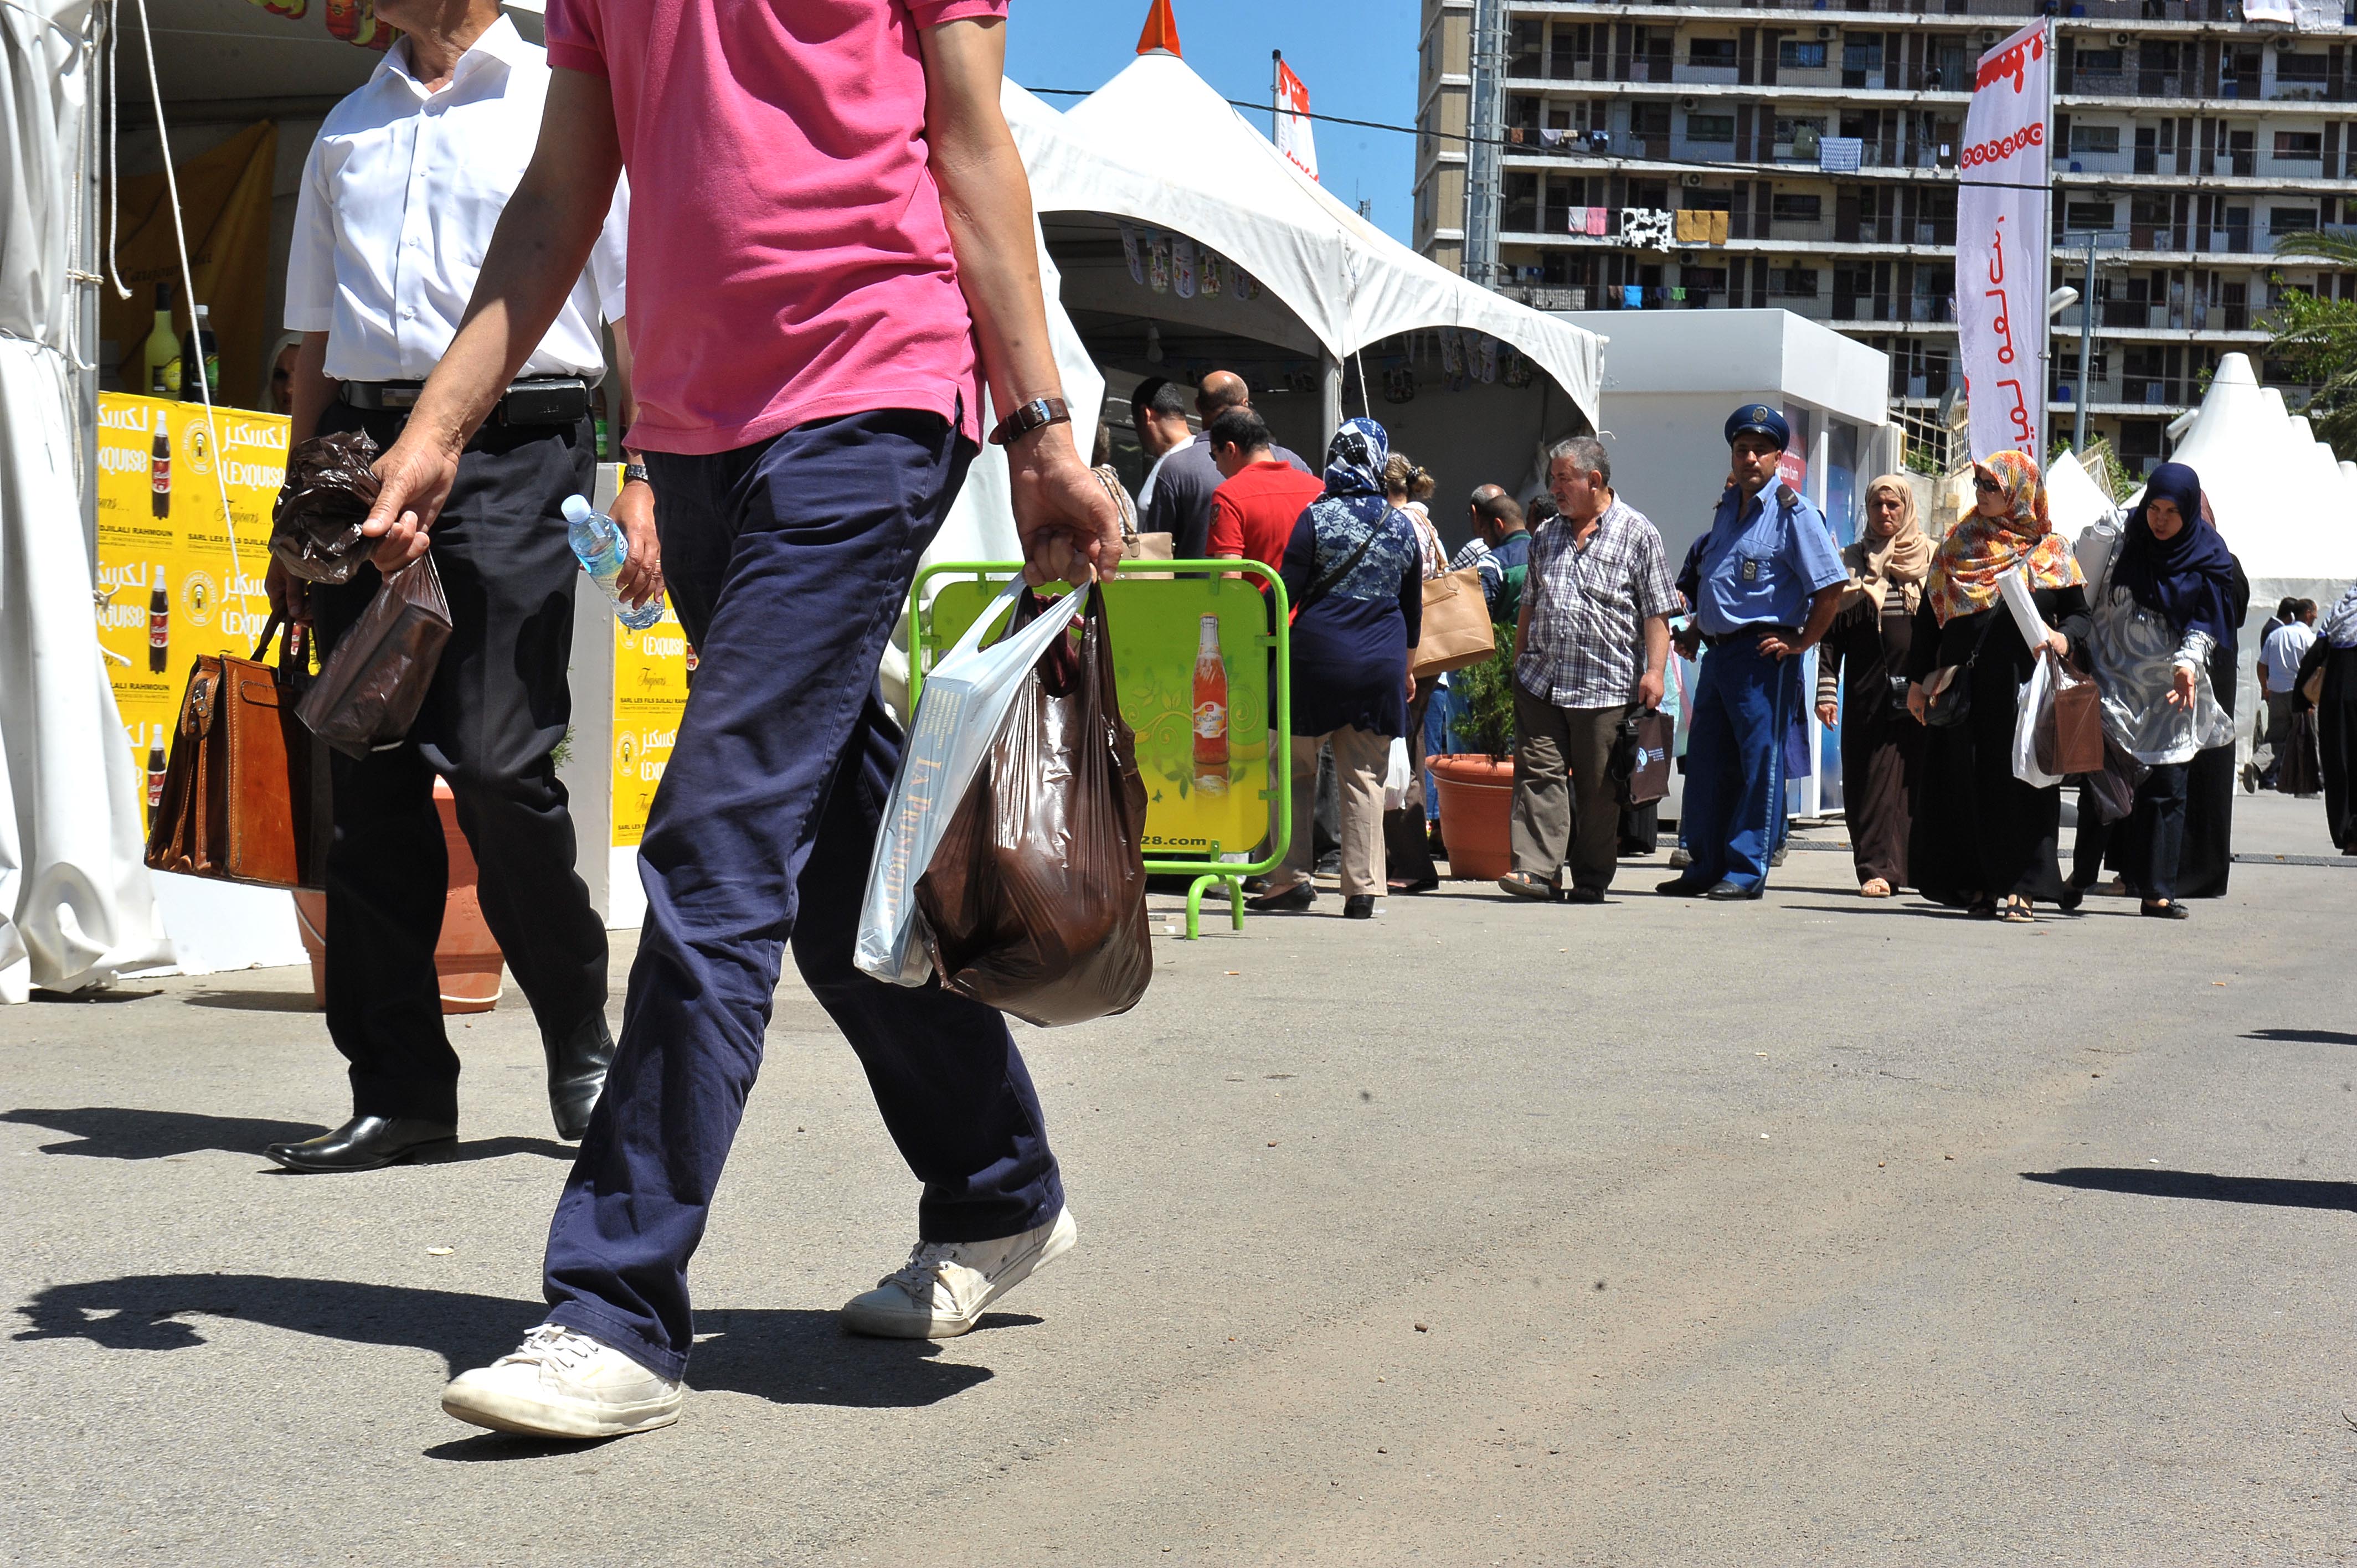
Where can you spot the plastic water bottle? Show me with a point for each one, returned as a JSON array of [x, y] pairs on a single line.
[[598, 541]]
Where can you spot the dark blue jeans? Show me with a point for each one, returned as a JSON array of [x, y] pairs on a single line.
[[1733, 816], [788, 563]]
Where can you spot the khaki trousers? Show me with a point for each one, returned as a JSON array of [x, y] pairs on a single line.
[[1564, 796], [1360, 760]]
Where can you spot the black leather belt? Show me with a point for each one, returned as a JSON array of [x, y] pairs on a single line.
[[537, 400], [1753, 634]]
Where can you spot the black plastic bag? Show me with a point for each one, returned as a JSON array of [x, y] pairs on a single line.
[[1034, 901], [369, 693], [2114, 786], [315, 528]]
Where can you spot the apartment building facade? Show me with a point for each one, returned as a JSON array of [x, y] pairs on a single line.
[[2185, 141]]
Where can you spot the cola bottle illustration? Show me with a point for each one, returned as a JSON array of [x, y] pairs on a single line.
[[1211, 700], [159, 470], [154, 767], [160, 624]]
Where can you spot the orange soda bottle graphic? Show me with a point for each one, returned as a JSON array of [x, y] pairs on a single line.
[[154, 767], [1211, 700], [160, 624]]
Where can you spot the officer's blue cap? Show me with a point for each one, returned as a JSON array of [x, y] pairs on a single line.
[[1759, 416]]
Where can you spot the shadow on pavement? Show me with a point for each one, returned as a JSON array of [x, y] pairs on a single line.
[[785, 1355], [2304, 1036], [257, 1001], [125, 1133], [2275, 1192]]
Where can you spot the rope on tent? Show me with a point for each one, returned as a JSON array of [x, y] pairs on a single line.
[[188, 280]]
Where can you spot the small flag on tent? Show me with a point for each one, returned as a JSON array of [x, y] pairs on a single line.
[[1293, 138]]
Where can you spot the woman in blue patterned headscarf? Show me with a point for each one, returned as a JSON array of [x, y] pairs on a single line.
[[1354, 574]]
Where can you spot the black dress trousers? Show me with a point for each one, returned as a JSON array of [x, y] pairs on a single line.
[[497, 706]]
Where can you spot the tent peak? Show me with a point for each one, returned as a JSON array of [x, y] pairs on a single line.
[[2234, 371], [1161, 34]]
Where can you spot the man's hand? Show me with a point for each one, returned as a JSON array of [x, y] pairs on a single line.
[[640, 581], [414, 479], [1826, 714], [1070, 527], [1774, 647], [1687, 640], [1411, 686], [290, 596], [2180, 687], [1649, 686]]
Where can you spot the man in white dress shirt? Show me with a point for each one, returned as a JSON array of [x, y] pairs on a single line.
[[400, 195]]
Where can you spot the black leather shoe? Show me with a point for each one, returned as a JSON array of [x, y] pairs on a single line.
[[1359, 907], [577, 1075], [1730, 892], [363, 1144], [1292, 900], [1683, 887], [1585, 896]]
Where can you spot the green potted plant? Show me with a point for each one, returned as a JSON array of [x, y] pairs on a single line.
[[1476, 787]]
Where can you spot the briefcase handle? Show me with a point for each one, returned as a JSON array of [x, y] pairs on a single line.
[[293, 666]]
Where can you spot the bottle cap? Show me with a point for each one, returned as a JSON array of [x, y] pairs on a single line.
[[576, 509], [203, 311]]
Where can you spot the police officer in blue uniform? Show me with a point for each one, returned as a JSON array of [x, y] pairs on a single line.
[[1766, 581]]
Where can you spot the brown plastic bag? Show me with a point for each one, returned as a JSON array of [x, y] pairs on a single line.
[[1035, 902], [315, 528], [375, 682]]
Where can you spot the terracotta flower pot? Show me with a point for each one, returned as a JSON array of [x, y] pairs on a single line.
[[467, 958], [1477, 803]]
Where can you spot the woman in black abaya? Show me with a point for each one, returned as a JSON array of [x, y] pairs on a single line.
[[2335, 655]]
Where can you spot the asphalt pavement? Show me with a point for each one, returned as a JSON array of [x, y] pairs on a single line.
[[1812, 1230]]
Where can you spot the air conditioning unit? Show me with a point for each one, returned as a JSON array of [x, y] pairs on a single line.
[[1990, 34], [1826, 35], [1691, 180], [2285, 45], [1689, 103], [2122, 40]]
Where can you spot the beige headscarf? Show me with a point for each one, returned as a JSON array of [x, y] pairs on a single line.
[[1903, 558]]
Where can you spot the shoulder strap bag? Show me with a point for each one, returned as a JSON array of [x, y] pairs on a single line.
[[1948, 695], [1318, 589]]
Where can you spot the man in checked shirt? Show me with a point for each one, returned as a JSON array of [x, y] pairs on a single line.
[[1591, 642]]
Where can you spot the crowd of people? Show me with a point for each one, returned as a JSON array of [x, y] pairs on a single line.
[[1922, 666]]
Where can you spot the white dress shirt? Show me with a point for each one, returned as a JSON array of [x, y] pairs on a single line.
[[400, 195], [2282, 652]]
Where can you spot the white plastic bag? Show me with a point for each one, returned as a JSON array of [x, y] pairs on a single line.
[[960, 711], [2037, 696], [1396, 776]]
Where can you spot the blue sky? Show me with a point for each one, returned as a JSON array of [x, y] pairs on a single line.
[[1358, 58]]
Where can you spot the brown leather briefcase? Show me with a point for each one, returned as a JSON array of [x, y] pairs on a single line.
[[246, 791]]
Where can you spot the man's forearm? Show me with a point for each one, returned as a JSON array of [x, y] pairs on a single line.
[[1821, 618], [986, 203], [309, 392], [1657, 645]]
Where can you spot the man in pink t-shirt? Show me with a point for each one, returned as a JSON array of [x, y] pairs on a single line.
[[829, 219]]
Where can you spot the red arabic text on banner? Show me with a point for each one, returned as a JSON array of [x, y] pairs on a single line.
[[1293, 138], [2002, 217]]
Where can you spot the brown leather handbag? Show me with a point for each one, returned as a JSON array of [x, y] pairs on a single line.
[[246, 792], [1456, 631]]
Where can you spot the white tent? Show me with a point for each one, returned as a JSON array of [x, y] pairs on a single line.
[[2265, 481], [76, 909], [1216, 179]]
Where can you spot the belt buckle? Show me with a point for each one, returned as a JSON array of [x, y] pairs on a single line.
[[392, 397]]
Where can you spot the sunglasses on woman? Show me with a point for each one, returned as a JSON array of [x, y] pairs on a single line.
[[1986, 486]]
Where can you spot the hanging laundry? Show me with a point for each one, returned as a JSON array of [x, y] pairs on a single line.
[[1551, 139], [1693, 227], [1646, 227], [1130, 253], [1596, 222], [1718, 229], [1632, 297], [1678, 293]]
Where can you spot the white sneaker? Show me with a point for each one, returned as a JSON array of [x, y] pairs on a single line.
[[942, 1289], [561, 1383]]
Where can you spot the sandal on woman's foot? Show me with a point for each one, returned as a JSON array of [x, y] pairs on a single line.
[[2169, 909], [2016, 912], [1874, 887]]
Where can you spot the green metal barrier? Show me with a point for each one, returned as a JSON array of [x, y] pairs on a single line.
[[1180, 785]]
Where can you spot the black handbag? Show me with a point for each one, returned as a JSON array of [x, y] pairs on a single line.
[[1951, 703]]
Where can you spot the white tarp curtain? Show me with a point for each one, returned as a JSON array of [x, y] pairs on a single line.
[[1221, 182], [76, 907], [2294, 530]]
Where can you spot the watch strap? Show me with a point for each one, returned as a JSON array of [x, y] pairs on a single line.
[[1037, 414]]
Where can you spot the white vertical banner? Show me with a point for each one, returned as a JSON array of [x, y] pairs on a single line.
[[2004, 208], [1293, 137]]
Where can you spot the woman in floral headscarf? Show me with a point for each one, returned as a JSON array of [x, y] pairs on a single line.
[[1982, 838], [1354, 572]]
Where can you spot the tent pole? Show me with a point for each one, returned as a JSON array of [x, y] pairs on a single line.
[[86, 263], [1329, 386]]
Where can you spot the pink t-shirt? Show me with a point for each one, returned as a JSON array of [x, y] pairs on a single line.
[[789, 261]]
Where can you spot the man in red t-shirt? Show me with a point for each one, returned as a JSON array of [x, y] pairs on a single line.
[[1254, 511]]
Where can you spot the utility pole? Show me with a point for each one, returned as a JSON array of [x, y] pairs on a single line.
[[1483, 183]]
